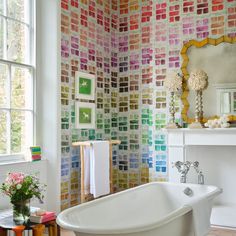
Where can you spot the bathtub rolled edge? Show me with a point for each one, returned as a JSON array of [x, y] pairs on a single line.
[[133, 229]]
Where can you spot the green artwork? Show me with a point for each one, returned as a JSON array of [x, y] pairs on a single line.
[[85, 115], [85, 86]]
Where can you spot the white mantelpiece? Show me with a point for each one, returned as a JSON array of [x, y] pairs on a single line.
[[211, 137], [215, 149]]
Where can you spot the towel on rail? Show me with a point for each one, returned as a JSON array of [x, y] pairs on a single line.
[[86, 170], [96, 164]]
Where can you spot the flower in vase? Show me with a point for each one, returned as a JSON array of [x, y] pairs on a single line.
[[21, 187], [198, 80], [173, 82]]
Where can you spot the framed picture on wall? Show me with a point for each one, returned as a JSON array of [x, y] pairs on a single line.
[[84, 115], [84, 86]]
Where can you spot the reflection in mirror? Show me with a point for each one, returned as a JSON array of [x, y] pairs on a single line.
[[219, 63], [226, 98], [225, 103]]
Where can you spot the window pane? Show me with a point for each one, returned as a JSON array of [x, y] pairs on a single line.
[[21, 88], [1, 7], [17, 42], [3, 132], [3, 85], [21, 131], [18, 9], [1, 37], [17, 131]]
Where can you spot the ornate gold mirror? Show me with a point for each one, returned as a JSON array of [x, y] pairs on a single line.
[[217, 57]]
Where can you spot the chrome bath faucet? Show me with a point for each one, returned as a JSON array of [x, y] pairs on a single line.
[[183, 169]]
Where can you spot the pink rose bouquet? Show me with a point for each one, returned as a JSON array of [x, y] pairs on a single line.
[[21, 187]]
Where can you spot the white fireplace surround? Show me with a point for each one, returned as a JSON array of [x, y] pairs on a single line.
[[215, 149]]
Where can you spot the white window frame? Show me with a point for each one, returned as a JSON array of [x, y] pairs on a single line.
[[229, 88], [31, 66]]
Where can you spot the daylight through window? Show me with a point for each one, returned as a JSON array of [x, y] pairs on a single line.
[[16, 77]]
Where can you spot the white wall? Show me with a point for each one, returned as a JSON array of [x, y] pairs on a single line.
[[218, 164], [38, 168], [48, 95]]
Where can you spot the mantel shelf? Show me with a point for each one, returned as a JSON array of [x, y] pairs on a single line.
[[201, 130], [202, 137]]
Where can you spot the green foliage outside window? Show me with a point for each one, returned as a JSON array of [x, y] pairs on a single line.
[[15, 81]]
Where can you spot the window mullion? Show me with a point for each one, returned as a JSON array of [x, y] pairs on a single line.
[[4, 30], [32, 35], [8, 132], [18, 64], [9, 111], [30, 30], [15, 20]]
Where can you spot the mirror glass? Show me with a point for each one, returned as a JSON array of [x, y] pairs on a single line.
[[225, 102], [219, 62]]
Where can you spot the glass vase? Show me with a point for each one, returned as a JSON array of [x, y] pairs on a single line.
[[21, 212]]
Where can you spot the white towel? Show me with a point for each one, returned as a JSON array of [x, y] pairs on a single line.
[[96, 168], [201, 216], [86, 169]]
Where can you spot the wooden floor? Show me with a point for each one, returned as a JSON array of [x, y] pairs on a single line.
[[214, 232], [222, 232], [66, 233]]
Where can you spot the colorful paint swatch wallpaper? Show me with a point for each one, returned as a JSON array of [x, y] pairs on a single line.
[[129, 45]]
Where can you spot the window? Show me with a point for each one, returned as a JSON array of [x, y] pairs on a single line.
[[17, 60]]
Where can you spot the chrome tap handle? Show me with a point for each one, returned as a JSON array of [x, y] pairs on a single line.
[[188, 164], [178, 165], [195, 164]]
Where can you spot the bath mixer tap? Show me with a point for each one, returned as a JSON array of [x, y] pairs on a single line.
[[183, 168]]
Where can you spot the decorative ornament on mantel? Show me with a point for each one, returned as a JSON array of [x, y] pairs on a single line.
[[198, 81], [222, 122], [173, 83]]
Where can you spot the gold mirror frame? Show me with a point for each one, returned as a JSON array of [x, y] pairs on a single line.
[[184, 97]]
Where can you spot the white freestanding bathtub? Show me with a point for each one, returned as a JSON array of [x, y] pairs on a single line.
[[154, 209]]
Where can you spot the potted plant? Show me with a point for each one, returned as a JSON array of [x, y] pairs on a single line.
[[21, 188]]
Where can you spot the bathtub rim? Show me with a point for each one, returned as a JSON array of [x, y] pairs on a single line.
[[139, 228], [133, 229]]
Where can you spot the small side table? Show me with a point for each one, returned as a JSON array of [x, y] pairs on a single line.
[[7, 223]]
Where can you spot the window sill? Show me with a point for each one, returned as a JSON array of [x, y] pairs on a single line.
[[18, 162]]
